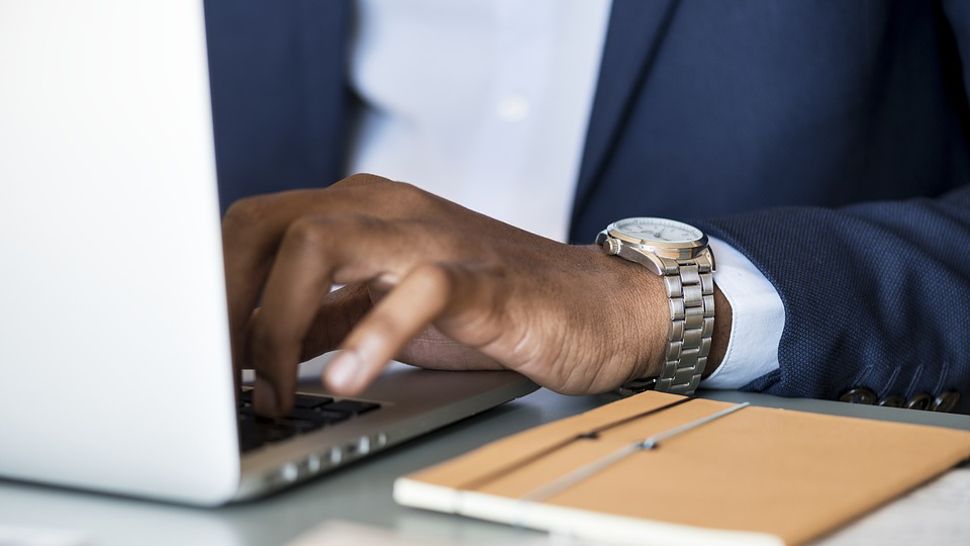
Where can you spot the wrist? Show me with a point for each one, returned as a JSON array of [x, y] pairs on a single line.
[[653, 321], [636, 336], [679, 256], [642, 313]]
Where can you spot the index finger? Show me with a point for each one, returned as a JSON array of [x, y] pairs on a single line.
[[428, 293], [313, 251], [251, 232]]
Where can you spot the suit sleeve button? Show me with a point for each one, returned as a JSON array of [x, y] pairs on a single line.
[[893, 401], [946, 402], [859, 395], [920, 401]]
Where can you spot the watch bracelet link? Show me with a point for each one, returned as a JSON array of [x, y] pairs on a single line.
[[690, 292]]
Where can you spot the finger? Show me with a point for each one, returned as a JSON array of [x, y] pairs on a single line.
[[251, 231], [432, 349], [339, 311], [425, 294], [300, 277], [254, 227], [313, 251]]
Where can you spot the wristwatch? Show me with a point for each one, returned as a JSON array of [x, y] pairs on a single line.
[[679, 254]]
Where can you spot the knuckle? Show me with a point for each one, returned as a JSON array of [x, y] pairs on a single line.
[[435, 274], [245, 212], [404, 188], [404, 195], [436, 281], [307, 231], [385, 196], [320, 231], [360, 179], [409, 192]]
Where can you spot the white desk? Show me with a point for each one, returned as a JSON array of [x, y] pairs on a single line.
[[360, 493]]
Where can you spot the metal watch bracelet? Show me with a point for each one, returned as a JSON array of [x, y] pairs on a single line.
[[690, 289]]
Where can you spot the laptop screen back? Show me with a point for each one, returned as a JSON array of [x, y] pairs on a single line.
[[113, 338]]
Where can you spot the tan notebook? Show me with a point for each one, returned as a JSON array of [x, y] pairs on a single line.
[[710, 473]]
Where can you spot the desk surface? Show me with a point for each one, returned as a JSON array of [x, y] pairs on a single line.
[[359, 493]]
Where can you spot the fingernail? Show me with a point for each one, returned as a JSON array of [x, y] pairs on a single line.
[[264, 400], [342, 370]]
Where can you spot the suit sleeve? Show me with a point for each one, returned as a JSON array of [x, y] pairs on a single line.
[[876, 295]]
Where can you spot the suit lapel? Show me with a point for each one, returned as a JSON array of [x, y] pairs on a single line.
[[634, 36]]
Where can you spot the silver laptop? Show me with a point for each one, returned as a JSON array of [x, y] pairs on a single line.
[[114, 349]]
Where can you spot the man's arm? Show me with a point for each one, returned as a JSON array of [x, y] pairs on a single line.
[[431, 283], [876, 296]]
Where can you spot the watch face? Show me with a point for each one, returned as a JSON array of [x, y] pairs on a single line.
[[658, 230]]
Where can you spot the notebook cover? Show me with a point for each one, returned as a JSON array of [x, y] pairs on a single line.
[[756, 476]]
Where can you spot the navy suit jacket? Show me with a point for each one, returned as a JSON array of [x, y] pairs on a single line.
[[827, 140]]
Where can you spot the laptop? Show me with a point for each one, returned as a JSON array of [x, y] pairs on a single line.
[[114, 344]]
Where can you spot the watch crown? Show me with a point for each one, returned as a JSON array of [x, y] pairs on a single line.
[[612, 246]]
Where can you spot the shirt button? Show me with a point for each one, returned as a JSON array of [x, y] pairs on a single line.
[[893, 401], [919, 401], [513, 108], [858, 395], [946, 402]]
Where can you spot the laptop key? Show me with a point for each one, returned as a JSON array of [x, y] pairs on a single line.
[[256, 431], [250, 435], [333, 417], [320, 416], [298, 415], [305, 401], [300, 425], [278, 433], [354, 407], [249, 442]]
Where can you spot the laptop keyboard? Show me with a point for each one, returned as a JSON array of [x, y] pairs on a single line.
[[309, 413]]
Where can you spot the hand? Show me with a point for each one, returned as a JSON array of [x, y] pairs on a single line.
[[430, 283]]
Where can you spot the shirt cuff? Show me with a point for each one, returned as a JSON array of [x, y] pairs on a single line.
[[757, 320]]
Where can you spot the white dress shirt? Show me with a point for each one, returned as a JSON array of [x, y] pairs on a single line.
[[486, 103]]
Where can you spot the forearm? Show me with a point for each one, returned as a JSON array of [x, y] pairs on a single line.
[[875, 295]]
